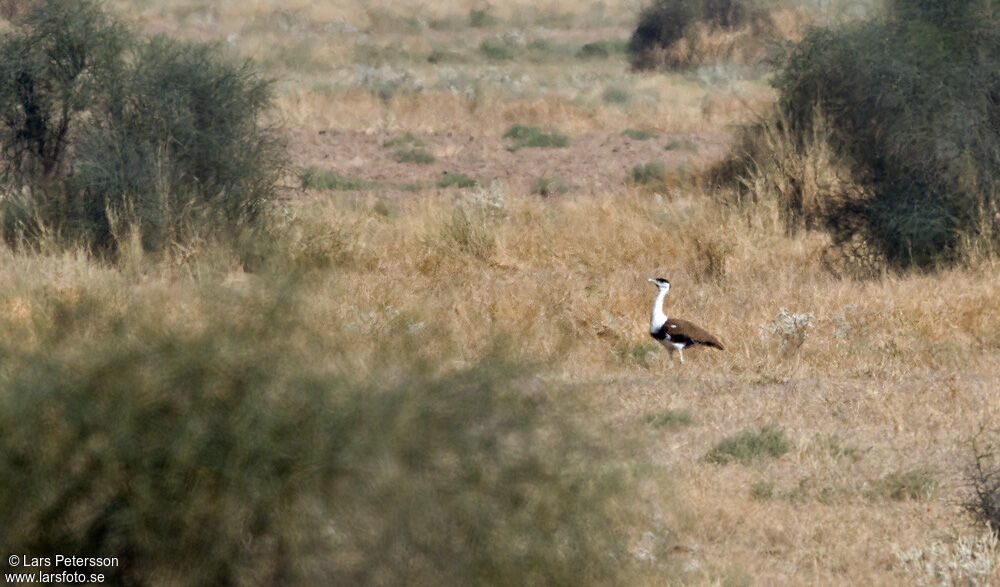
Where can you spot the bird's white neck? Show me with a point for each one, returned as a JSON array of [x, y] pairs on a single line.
[[658, 317]]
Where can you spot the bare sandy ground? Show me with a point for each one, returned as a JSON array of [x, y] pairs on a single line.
[[592, 163]]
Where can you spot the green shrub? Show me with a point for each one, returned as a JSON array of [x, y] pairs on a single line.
[[459, 180], [530, 136], [762, 490], [601, 49], [315, 178], [616, 95], [415, 155], [749, 447], [650, 174], [682, 145], [638, 134], [671, 419], [547, 186], [102, 123], [235, 451], [444, 55], [410, 187], [916, 484], [830, 445], [496, 49], [481, 17], [911, 102], [403, 141]]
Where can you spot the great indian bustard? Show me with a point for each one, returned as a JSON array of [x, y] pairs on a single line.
[[673, 333]]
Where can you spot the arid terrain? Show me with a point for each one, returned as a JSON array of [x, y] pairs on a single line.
[[873, 388]]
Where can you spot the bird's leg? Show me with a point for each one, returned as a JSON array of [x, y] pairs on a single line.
[[680, 353]]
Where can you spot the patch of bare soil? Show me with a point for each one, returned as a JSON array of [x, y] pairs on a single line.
[[593, 163]]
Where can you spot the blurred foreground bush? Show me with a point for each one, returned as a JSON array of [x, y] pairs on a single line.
[[101, 124], [219, 438], [910, 105]]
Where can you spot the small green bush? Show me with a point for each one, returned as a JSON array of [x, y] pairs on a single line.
[[415, 155], [831, 445], [104, 124], [459, 180], [601, 49], [407, 140], [916, 484], [749, 447], [671, 419], [530, 136], [762, 490], [443, 55], [638, 134], [481, 17], [650, 174], [616, 95], [682, 145], [496, 49], [547, 186], [315, 178]]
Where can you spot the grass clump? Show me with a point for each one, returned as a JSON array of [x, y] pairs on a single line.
[[468, 233], [530, 136], [830, 445], [762, 490], [459, 180], [497, 49], [924, 147], [481, 18], [315, 178], [671, 419], [639, 134], [652, 174], [416, 155], [103, 123], [601, 49], [916, 484], [548, 186], [616, 95], [750, 446], [407, 140], [682, 145]]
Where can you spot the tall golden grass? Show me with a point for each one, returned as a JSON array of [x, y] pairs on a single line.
[[901, 368]]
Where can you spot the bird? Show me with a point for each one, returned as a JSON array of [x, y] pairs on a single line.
[[673, 333]]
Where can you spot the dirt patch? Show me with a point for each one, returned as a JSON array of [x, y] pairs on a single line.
[[592, 163]]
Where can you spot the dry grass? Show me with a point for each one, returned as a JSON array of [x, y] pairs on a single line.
[[903, 368], [907, 381]]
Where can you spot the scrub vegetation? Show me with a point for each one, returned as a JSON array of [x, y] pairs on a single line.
[[241, 343]]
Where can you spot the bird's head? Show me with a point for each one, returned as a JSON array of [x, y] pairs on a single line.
[[660, 283]]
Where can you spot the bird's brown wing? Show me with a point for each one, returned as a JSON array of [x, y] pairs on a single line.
[[676, 327]]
